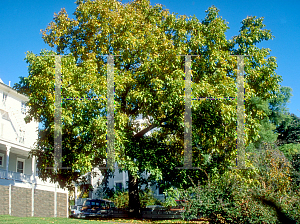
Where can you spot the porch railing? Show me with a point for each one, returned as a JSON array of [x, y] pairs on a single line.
[[15, 176], [2, 173], [24, 178], [19, 176]]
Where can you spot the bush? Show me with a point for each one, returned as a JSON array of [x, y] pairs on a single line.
[[147, 198], [265, 196], [120, 199], [224, 202]]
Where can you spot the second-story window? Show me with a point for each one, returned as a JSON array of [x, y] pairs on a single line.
[[23, 107], [4, 97], [22, 136]]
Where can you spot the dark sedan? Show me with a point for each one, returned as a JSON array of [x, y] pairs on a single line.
[[97, 208]]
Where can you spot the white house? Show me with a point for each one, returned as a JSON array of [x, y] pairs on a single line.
[[117, 182], [119, 179], [22, 192]]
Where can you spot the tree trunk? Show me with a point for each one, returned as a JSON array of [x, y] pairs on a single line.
[[134, 199]]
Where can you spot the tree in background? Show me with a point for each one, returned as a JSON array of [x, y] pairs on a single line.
[[149, 81], [277, 116], [288, 141], [289, 131]]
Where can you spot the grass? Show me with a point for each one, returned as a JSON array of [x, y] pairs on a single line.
[[39, 220]]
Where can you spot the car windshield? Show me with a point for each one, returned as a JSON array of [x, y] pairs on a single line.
[[86, 203], [94, 203]]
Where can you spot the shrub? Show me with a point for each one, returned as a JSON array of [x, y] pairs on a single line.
[[120, 199], [265, 196], [172, 194], [224, 202], [147, 198]]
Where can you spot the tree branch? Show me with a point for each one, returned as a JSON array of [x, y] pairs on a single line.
[[144, 131]]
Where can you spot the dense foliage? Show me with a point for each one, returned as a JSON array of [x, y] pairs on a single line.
[[121, 198], [271, 198]]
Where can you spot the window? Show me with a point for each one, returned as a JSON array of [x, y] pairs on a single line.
[[1, 159], [4, 98], [161, 190], [22, 136], [20, 165], [23, 107], [119, 186]]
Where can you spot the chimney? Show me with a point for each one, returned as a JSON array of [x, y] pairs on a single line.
[[8, 83]]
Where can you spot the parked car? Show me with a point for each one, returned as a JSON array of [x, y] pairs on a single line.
[[75, 211], [96, 207]]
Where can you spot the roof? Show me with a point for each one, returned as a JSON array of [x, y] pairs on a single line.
[[9, 88]]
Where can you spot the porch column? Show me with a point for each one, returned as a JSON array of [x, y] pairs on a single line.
[[124, 179], [91, 193], [33, 169], [75, 193], [7, 159], [55, 200]]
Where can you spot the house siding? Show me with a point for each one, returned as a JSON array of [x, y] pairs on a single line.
[[21, 202], [44, 203], [4, 200], [62, 201]]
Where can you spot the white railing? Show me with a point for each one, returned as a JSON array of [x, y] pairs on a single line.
[[2, 173], [28, 179], [15, 176], [19, 176]]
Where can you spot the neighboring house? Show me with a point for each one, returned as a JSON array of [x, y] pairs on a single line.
[[117, 182], [22, 192], [119, 179]]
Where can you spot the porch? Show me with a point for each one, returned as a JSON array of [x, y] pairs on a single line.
[[12, 175]]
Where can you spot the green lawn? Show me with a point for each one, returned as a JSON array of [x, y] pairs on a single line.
[[38, 220]]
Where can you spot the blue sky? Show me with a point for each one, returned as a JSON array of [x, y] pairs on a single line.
[[22, 20]]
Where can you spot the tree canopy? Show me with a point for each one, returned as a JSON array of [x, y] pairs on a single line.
[[149, 81]]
